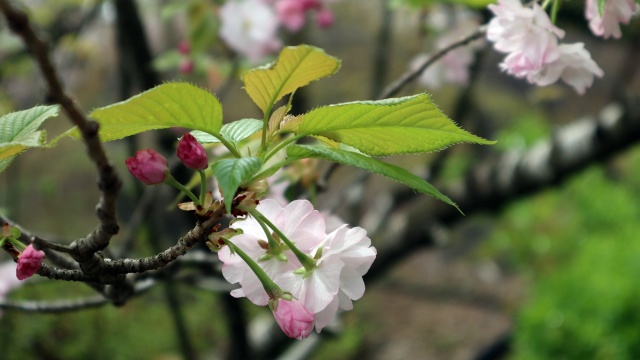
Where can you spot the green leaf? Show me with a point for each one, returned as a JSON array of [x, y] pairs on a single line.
[[410, 124], [422, 3], [231, 173], [19, 131], [167, 105], [370, 164], [234, 132], [295, 67]]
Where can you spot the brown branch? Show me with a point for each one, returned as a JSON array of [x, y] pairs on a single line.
[[411, 75], [108, 181]]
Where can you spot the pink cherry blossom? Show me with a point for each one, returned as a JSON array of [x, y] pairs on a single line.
[[347, 255], [574, 66], [325, 18], [29, 262], [616, 12], [293, 318], [291, 13], [8, 279], [298, 221], [148, 166], [527, 34], [191, 153], [250, 28]]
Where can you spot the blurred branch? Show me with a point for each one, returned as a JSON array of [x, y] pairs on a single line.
[[84, 250], [411, 75], [60, 306]]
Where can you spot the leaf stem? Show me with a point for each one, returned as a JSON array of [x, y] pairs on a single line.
[[228, 145], [283, 144], [203, 186]]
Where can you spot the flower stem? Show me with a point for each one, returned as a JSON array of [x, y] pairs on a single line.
[[270, 287], [306, 261], [170, 180], [203, 186]]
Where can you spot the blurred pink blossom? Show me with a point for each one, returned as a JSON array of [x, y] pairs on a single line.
[[250, 28], [616, 12], [291, 13], [325, 18], [526, 34], [574, 66]]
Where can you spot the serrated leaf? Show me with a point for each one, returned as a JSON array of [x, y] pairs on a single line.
[[19, 131], [370, 164], [167, 105], [295, 67], [276, 119], [231, 173], [234, 132], [411, 124]]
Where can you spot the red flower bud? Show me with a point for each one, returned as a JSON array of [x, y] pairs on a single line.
[[148, 166], [191, 153], [29, 262]]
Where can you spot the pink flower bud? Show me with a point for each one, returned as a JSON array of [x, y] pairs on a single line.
[[293, 318], [148, 166], [186, 66], [311, 4], [291, 14], [324, 18], [191, 153], [29, 262], [184, 47]]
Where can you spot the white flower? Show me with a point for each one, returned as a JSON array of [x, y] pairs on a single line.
[[298, 221], [527, 34], [574, 66], [347, 255], [250, 28], [616, 12]]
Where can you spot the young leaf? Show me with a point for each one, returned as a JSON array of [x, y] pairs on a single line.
[[295, 67], [19, 131], [411, 124], [370, 164], [602, 3], [234, 132], [166, 105], [231, 173]]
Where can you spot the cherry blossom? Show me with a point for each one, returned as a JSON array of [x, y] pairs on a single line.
[[250, 28], [298, 221], [293, 318], [526, 34], [347, 255], [616, 12], [574, 66], [8, 279]]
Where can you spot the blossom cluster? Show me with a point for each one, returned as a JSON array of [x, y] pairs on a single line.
[[530, 39], [339, 260], [250, 27]]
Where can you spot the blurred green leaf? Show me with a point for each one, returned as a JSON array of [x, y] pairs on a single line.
[[19, 131], [422, 3]]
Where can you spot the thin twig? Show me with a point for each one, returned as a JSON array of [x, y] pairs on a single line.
[[411, 75]]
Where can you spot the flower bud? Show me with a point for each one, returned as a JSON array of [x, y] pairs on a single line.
[[184, 48], [293, 318], [191, 153], [29, 262], [186, 66], [148, 166], [324, 18]]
